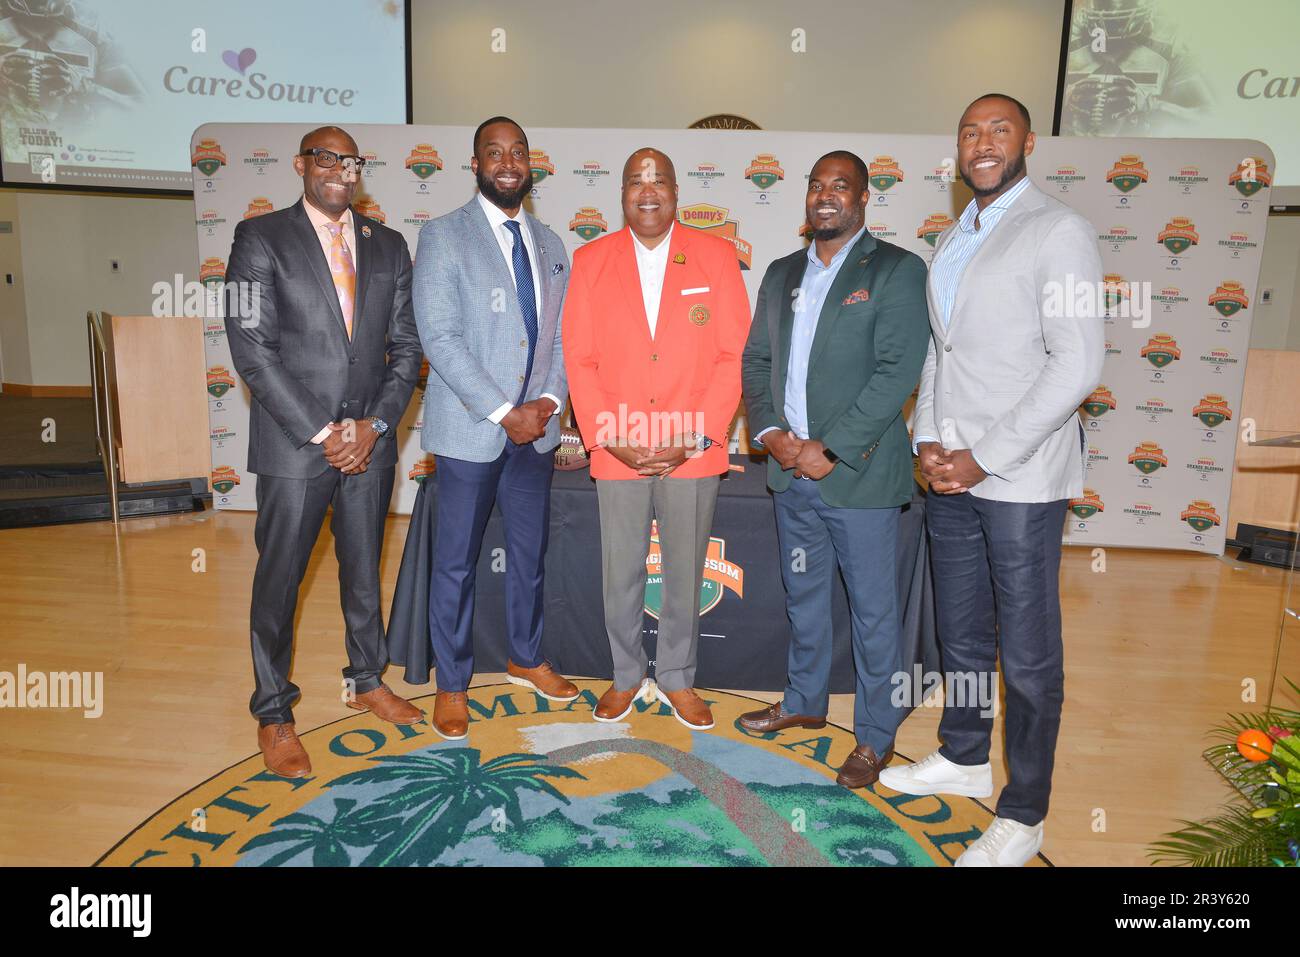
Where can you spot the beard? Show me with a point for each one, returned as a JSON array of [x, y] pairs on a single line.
[[847, 227], [1009, 172], [500, 198]]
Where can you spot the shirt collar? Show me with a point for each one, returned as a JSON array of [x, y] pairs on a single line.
[[1003, 203], [319, 219], [496, 215], [839, 255], [662, 249]]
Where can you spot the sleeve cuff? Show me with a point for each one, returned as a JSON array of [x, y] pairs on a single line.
[[320, 436], [500, 413], [929, 438], [759, 438], [558, 405], [987, 470]]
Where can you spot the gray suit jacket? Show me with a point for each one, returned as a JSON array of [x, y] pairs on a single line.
[[472, 330], [1006, 377], [294, 352]]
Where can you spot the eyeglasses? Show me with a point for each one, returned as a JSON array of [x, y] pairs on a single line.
[[328, 159]]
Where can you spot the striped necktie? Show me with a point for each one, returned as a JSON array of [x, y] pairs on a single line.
[[344, 273], [523, 269]]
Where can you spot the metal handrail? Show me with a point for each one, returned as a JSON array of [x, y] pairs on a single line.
[[103, 396]]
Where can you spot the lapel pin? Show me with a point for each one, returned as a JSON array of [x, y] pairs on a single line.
[[680, 259], [365, 231], [699, 314], [557, 269]]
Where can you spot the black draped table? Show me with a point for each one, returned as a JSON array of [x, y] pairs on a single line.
[[744, 632]]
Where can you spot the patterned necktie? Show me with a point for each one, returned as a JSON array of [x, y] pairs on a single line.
[[527, 298], [344, 273]]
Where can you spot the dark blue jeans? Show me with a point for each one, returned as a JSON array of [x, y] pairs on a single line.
[[996, 582]]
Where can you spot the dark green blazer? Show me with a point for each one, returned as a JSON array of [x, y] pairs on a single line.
[[865, 361]]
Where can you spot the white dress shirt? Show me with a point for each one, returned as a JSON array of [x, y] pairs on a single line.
[[497, 219], [650, 266]]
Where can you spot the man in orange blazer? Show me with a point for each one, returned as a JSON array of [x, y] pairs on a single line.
[[654, 325]]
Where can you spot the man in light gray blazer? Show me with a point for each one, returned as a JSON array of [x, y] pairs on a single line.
[[488, 288], [1014, 350]]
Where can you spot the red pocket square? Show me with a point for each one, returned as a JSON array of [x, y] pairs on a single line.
[[860, 296]]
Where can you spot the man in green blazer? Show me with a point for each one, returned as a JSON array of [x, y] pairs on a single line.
[[839, 335]]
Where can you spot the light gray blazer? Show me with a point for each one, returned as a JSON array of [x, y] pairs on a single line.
[[468, 317], [1006, 378]]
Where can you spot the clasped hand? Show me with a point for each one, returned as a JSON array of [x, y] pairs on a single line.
[[349, 445], [949, 471]]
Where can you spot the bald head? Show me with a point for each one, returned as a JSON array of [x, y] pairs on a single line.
[[319, 137], [649, 195]]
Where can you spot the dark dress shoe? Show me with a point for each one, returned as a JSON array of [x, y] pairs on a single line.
[[862, 767], [772, 718]]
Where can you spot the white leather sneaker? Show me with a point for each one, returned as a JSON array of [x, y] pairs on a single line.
[[1006, 843], [937, 775]]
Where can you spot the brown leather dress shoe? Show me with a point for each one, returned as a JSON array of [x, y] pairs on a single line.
[[688, 708], [772, 718], [382, 703], [451, 715], [544, 680], [615, 705], [282, 751], [862, 767]]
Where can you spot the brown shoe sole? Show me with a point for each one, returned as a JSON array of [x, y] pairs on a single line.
[[782, 724], [360, 707], [299, 774], [855, 782], [525, 683], [662, 696]]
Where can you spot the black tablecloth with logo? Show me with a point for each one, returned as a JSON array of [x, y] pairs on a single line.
[[744, 634]]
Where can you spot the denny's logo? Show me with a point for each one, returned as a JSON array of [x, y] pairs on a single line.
[[588, 223], [713, 219], [207, 157], [220, 381], [422, 469], [1128, 174], [1179, 235], [934, 224], [1100, 402], [1250, 176], [1115, 290], [423, 160], [258, 206], [370, 209], [1201, 515], [212, 271], [1089, 505], [1212, 410], [764, 172], [883, 172], [224, 478], [1229, 298], [1161, 350], [1148, 457], [541, 165], [719, 574]]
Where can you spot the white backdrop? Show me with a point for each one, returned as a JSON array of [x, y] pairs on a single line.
[[1173, 213]]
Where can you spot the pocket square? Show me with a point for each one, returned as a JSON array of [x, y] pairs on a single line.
[[860, 296], [557, 269], [693, 291]]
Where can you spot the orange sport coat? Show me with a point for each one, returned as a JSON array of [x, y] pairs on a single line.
[[623, 383]]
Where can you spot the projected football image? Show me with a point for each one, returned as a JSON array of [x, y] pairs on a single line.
[[105, 93]]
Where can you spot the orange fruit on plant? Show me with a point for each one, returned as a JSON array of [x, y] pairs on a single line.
[[1254, 745]]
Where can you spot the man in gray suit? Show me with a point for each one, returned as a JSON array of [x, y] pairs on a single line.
[[318, 316], [1001, 445], [489, 284]]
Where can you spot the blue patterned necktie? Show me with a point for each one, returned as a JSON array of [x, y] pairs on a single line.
[[527, 298]]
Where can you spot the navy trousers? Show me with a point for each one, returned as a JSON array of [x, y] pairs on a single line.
[[814, 537], [996, 581], [519, 480]]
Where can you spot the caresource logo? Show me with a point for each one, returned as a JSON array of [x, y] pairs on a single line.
[[719, 575], [423, 160], [1087, 506], [934, 224], [1128, 173], [207, 157], [1201, 515], [588, 223], [883, 173], [258, 206], [1212, 410], [224, 479], [764, 172], [713, 219], [1250, 176]]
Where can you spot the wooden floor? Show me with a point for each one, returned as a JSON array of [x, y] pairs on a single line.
[[1157, 649]]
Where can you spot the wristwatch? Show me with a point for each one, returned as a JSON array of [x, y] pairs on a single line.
[[378, 424], [702, 442], [830, 456]]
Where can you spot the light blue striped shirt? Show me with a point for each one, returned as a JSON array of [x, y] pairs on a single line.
[[951, 261]]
